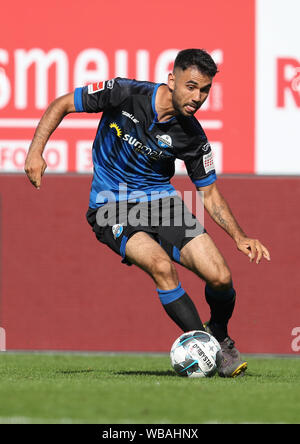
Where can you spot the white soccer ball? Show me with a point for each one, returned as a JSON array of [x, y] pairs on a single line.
[[196, 354]]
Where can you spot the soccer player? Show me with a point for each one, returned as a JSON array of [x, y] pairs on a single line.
[[143, 129]]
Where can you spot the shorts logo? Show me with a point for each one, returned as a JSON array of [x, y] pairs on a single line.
[[117, 230], [164, 141], [95, 87]]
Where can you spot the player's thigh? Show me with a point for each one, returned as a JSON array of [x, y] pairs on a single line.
[[202, 256], [142, 250]]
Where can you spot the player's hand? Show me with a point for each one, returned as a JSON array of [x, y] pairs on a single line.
[[35, 167], [253, 248]]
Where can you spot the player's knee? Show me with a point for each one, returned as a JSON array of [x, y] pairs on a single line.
[[163, 270], [223, 280]]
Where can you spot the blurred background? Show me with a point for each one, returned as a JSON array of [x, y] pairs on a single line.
[[60, 289]]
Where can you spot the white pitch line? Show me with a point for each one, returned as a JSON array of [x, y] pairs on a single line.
[[34, 420]]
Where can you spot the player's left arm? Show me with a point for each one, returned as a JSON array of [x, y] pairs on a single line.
[[219, 210]]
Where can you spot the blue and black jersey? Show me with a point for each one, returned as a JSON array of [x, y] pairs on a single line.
[[134, 154]]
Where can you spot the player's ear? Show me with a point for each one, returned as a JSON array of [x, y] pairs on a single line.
[[171, 81]]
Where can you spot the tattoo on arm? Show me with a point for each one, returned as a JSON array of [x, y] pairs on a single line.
[[221, 213], [218, 215]]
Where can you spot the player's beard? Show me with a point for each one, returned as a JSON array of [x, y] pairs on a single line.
[[176, 104], [180, 108]]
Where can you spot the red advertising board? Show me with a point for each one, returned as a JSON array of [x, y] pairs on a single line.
[[75, 43], [62, 290]]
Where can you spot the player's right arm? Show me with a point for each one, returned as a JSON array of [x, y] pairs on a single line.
[[35, 164], [92, 98]]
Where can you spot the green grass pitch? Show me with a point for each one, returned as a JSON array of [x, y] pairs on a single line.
[[142, 389]]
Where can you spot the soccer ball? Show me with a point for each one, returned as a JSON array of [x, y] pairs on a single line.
[[196, 354]]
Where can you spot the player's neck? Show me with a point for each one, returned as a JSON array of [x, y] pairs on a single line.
[[163, 104]]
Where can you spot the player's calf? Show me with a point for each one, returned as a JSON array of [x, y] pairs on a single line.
[[222, 302], [180, 308]]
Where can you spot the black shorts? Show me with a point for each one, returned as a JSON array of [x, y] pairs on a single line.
[[166, 220]]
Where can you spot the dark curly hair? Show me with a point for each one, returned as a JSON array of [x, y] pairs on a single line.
[[198, 58]]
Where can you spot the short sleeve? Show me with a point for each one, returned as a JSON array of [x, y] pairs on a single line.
[[99, 96], [201, 169]]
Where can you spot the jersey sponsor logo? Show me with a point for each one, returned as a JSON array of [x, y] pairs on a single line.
[[138, 146], [116, 127], [164, 141], [208, 162]]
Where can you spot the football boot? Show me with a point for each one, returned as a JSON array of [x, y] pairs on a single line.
[[232, 365]]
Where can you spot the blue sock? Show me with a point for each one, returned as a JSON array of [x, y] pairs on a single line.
[[167, 296]]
